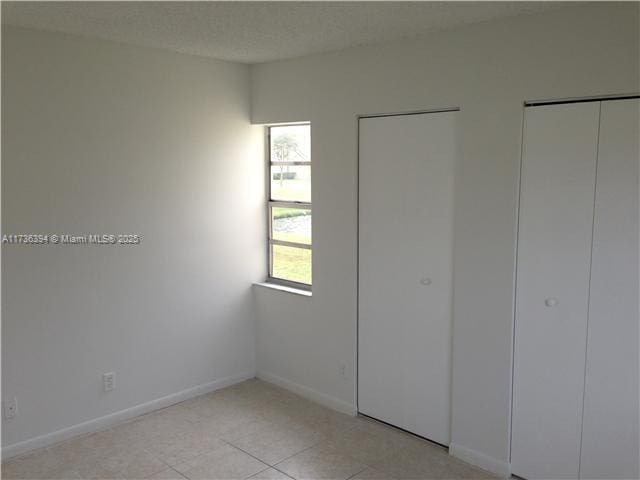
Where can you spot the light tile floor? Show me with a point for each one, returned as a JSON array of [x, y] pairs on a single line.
[[249, 430]]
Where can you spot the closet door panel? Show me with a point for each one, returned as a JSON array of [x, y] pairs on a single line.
[[405, 270], [610, 426], [554, 249]]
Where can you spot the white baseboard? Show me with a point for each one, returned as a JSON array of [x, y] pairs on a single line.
[[493, 465], [322, 398], [102, 423]]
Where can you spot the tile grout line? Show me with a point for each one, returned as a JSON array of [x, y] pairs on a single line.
[[277, 463], [181, 474], [252, 456], [359, 472], [268, 467]]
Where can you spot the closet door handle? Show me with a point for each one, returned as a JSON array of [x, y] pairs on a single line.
[[425, 281], [551, 302]]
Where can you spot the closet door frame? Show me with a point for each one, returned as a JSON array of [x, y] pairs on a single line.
[[358, 119]]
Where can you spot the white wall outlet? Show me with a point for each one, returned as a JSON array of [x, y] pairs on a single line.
[[10, 407], [108, 381], [343, 370]]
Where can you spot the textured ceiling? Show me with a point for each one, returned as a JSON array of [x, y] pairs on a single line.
[[253, 32]]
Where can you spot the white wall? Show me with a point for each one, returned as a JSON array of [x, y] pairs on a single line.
[[488, 70], [100, 137]]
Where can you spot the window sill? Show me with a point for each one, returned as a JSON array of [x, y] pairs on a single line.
[[283, 288]]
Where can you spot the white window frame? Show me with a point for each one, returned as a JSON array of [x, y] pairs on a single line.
[[286, 204]]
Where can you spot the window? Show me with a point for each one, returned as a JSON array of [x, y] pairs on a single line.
[[290, 204]]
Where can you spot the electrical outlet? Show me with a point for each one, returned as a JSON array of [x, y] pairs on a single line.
[[343, 370], [108, 381], [10, 408]]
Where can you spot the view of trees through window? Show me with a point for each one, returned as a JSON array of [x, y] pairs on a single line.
[[290, 203]]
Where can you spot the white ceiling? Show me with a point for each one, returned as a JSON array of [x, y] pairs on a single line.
[[253, 32]]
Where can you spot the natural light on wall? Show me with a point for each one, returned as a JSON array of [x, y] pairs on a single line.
[[290, 204]]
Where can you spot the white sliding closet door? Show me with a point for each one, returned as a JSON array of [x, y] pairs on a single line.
[[610, 428], [554, 251], [406, 171]]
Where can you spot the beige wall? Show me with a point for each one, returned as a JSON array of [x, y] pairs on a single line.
[[99, 137], [488, 70]]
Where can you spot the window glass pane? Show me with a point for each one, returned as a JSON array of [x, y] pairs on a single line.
[[291, 182], [291, 263], [290, 143], [291, 224]]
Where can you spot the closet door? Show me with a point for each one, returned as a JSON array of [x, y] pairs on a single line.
[[610, 427], [406, 171], [552, 287]]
